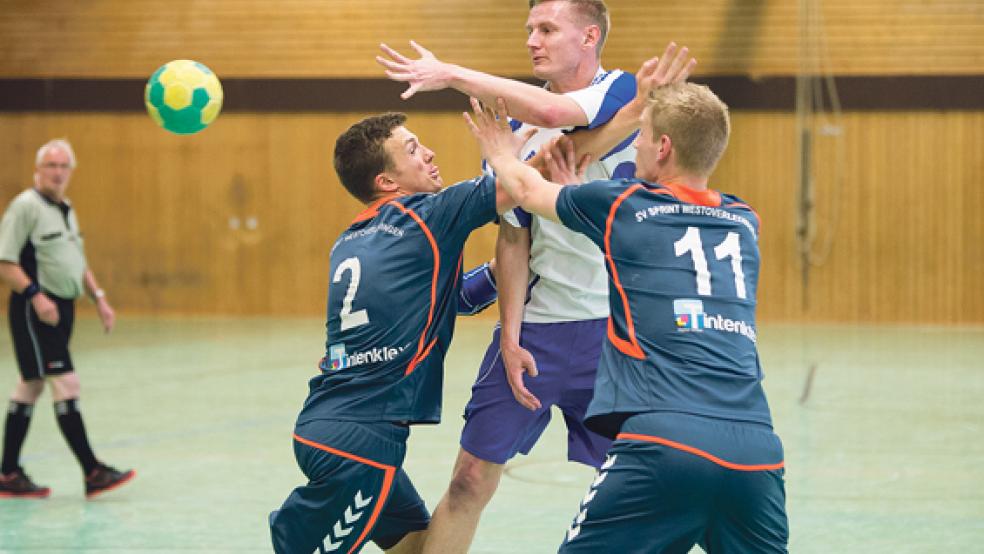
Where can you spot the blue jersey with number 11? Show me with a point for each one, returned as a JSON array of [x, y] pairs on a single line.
[[683, 269], [392, 300]]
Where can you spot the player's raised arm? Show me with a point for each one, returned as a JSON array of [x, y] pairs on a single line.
[[527, 103], [524, 183], [675, 65]]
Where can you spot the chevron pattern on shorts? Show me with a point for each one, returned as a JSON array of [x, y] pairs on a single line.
[[344, 526], [575, 529]]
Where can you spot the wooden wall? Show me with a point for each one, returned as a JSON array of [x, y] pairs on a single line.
[[239, 219], [156, 210], [337, 38]]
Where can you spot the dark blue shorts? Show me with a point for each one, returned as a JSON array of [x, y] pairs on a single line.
[[497, 427], [671, 481], [356, 490]]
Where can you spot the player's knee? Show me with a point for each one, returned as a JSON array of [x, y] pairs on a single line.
[[64, 387], [27, 392], [474, 482]]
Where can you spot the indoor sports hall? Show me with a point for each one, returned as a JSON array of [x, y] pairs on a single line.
[[857, 136]]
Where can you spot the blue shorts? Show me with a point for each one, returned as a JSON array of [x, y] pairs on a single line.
[[356, 490], [497, 426], [674, 480]]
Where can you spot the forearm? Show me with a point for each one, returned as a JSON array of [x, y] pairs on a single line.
[[527, 186], [14, 276], [512, 251], [527, 103], [92, 286], [601, 140]]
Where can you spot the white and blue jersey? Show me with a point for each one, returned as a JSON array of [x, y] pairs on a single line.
[[683, 268], [572, 284]]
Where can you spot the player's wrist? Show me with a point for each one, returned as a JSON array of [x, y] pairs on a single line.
[[31, 290], [98, 295]]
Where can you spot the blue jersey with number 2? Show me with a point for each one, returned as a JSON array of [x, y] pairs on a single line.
[[683, 269], [392, 299]]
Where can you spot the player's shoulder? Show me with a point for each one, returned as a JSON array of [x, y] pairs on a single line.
[[456, 193], [611, 75], [731, 201], [28, 200], [604, 190]]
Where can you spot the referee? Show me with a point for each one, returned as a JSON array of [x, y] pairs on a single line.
[[43, 262]]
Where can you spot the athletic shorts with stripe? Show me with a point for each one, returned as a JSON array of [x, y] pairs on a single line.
[[356, 490], [497, 427], [41, 349], [671, 481]]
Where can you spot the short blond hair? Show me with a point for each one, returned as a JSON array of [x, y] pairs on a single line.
[[592, 12], [60, 144], [696, 121]]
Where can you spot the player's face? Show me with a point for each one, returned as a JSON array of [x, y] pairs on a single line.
[[555, 41], [412, 168], [54, 172], [647, 150]]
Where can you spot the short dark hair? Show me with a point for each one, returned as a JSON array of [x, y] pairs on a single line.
[[360, 156], [591, 11]]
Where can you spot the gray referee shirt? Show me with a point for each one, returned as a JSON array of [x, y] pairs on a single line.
[[43, 238]]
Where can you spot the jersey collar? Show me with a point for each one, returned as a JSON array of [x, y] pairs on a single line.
[[372, 210], [707, 197]]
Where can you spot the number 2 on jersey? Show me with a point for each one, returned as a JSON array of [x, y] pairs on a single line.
[[730, 247], [349, 318]]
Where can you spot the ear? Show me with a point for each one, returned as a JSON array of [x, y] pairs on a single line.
[[384, 184], [592, 34], [665, 147]]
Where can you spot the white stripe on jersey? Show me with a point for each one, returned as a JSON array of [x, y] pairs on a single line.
[[573, 283]]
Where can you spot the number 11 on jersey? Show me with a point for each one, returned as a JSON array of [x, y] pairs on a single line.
[[730, 247]]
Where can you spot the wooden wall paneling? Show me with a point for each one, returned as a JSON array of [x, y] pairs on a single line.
[[338, 38], [155, 209]]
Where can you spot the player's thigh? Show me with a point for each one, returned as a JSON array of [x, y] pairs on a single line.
[[353, 472], [497, 427], [750, 514], [41, 349], [645, 499], [404, 514], [65, 386]]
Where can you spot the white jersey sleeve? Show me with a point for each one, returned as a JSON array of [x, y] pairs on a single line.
[[572, 282]]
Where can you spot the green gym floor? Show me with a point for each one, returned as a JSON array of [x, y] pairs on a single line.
[[884, 440]]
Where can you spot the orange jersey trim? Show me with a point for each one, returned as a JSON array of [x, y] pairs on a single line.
[[701, 453], [631, 346], [423, 349], [743, 205], [372, 210], [706, 197], [389, 473]]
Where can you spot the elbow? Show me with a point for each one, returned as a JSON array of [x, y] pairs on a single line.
[[551, 117]]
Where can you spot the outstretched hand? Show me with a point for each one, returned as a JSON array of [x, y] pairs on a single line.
[[493, 133], [424, 74], [674, 66]]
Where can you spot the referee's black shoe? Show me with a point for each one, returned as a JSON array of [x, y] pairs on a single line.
[[18, 485], [105, 478]]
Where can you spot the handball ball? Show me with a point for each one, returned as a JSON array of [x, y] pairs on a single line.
[[183, 96]]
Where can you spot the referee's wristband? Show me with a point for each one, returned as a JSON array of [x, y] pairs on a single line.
[[30, 290]]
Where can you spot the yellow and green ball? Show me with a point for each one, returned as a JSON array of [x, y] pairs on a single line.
[[183, 96]]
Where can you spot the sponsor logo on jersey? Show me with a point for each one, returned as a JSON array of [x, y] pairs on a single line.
[[339, 358], [690, 316]]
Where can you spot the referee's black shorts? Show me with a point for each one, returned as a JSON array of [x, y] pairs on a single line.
[[42, 349]]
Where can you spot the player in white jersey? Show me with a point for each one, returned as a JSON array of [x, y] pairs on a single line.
[[557, 337]]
